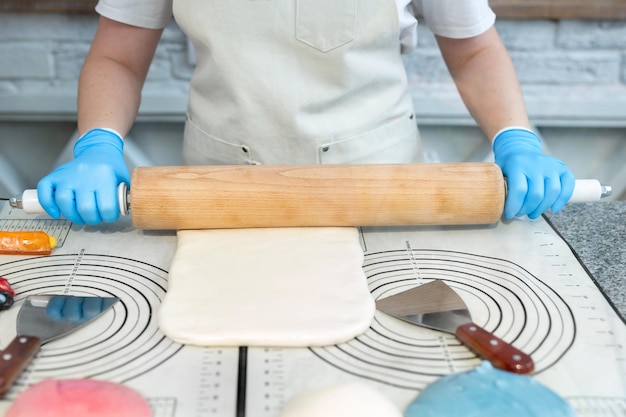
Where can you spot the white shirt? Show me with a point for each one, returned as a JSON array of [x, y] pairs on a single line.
[[449, 18]]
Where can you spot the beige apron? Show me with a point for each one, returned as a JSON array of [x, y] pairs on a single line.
[[296, 82]]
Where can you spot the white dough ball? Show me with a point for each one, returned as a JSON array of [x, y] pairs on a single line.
[[350, 399]]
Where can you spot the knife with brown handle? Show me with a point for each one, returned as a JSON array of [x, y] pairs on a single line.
[[43, 318], [437, 306]]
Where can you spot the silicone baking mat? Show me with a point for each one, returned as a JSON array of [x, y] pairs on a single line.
[[519, 279]]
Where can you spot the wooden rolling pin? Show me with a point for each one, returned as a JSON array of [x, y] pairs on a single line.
[[205, 197], [212, 197]]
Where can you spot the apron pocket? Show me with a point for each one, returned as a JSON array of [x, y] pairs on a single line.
[[395, 142], [325, 24], [201, 148]]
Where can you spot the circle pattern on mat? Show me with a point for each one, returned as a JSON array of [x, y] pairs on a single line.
[[503, 298], [124, 343]]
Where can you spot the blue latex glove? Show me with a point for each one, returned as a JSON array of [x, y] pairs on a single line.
[[535, 181], [75, 309], [84, 190]]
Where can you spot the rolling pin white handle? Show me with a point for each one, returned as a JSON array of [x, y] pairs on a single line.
[[586, 191], [29, 202]]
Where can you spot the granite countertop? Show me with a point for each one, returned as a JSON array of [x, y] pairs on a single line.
[[596, 232]]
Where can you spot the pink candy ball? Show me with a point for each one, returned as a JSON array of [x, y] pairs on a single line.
[[79, 398]]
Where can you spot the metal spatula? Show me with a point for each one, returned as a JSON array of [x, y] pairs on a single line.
[[437, 306], [43, 318]]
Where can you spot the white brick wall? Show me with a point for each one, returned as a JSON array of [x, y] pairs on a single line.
[[573, 74], [582, 63], [572, 71], [41, 56], [27, 61]]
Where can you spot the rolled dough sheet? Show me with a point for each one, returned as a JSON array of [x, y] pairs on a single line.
[[283, 287]]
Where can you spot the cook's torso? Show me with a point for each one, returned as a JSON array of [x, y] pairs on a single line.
[[296, 82]]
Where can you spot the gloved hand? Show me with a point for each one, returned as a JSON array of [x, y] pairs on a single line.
[[535, 181], [75, 309], [84, 190]]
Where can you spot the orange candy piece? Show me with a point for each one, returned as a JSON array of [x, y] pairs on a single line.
[[26, 243]]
